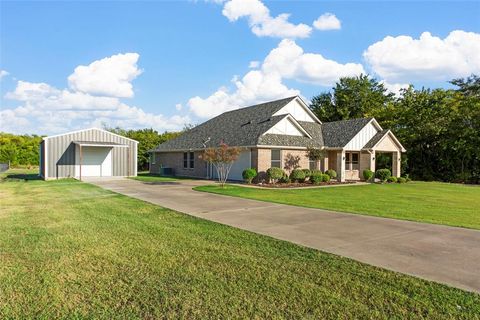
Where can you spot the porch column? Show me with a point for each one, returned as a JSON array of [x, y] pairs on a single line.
[[324, 164], [372, 161], [341, 166], [396, 164]]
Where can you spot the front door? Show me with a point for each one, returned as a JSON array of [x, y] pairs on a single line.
[[352, 165]]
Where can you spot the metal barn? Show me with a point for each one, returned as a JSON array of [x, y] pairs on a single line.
[[87, 153]]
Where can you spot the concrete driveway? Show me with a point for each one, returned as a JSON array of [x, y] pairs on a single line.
[[444, 254]]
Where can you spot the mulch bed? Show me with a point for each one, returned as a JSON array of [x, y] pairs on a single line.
[[300, 184]]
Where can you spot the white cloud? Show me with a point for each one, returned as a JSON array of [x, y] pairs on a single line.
[[403, 59], [3, 73], [110, 76], [261, 22], [45, 109], [327, 21], [287, 61], [395, 88], [178, 107], [254, 64]]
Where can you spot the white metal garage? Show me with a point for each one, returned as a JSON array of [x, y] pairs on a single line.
[[88, 153]]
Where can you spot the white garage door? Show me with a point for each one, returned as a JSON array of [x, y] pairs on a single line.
[[96, 162], [243, 162]]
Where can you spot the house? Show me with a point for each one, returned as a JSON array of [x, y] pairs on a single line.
[[269, 133], [87, 153]]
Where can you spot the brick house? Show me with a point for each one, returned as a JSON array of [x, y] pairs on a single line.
[[270, 133]]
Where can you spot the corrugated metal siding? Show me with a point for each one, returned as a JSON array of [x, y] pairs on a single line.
[[61, 153], [42, 158]]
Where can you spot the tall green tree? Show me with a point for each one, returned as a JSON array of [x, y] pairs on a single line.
[[352, 97], [148, 139]]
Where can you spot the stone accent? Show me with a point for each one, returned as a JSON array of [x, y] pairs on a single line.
[[174, 160]]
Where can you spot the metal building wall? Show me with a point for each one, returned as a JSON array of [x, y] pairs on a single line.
[[60, 153]]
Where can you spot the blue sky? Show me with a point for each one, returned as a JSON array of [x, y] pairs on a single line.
[[184, 55]]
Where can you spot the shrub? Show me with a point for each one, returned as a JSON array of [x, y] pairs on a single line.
[[307, 173], [401, 180], [285, 178], [392, 179], [249, 174], [274, 174], [407, 178], [367, 174], [332, 173], [297, 175], [316, 177], [383, 174], [325, 177]]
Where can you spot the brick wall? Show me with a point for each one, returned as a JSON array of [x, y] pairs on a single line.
[[174, 160]]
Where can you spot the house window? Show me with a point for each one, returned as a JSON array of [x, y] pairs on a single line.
[[351, 161], [275, 159], [312, 164], [192, 160], [185, 160], [152, 158]]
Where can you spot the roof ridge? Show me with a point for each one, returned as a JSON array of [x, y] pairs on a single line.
[[352, 119], [262, 103]]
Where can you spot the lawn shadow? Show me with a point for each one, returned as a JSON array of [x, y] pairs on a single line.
[[22, 176]]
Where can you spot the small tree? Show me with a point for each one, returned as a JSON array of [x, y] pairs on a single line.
[[291, 162], [315, 155], [222, 159]]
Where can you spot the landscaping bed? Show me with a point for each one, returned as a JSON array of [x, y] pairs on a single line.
[[306, 184]]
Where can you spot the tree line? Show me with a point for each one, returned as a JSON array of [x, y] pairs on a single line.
[[23, 150], [440, 128]]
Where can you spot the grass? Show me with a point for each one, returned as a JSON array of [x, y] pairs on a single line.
[[72, 250], [432, 202]]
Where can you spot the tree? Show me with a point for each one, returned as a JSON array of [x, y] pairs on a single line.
[[291, 162], [352, 97], [222, 159], [148, 139], [19, 149]]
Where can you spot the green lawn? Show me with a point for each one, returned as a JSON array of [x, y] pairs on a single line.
[[432, 202], [72, 250]]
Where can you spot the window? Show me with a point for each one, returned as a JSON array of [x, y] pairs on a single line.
[[188, 160], [351, 161], [275, 159], [185, 160], [192, 160], [152, 158], [312, 164]]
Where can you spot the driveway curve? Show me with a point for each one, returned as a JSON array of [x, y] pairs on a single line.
[[443, 254]]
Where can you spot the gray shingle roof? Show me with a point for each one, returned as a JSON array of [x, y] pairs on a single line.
[[370, 144], [338, 133], [246, 127], [241, 127]]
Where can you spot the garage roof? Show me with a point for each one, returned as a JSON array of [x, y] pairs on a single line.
[[99, 144]]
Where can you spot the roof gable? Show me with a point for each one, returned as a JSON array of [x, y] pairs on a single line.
[[338, 134], [89, 129], [299, 110]]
